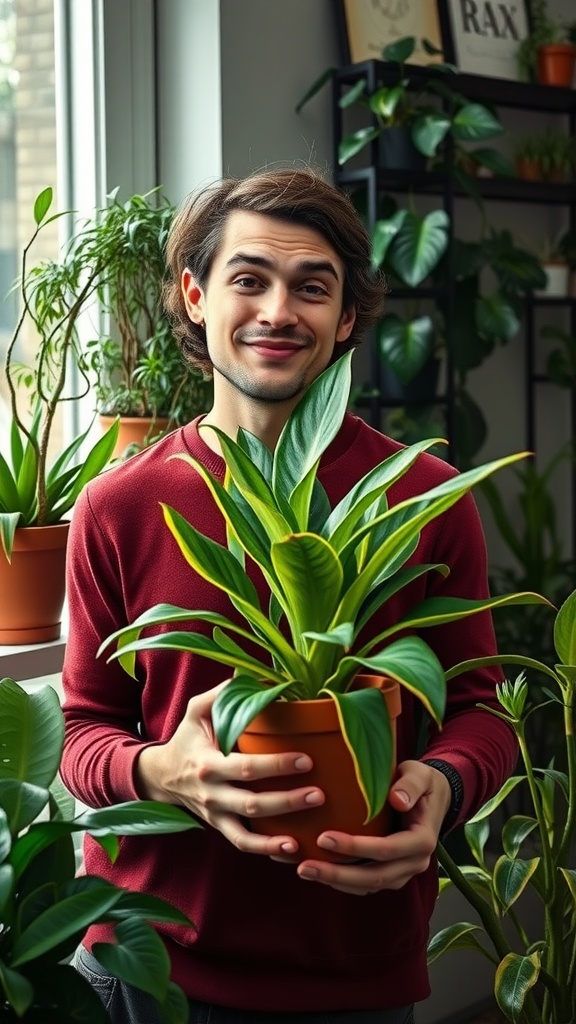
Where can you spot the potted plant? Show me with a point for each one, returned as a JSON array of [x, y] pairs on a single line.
[[557, 155], [527, 153], [328, 572], [534, 955], [38, 489], [138, 371], [548, 53], [45, 907], [536, 559]]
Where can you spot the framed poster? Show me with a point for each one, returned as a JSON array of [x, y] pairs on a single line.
[[483, 38], [366, 26]]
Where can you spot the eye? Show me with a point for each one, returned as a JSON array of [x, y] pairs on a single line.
[[314, 289], [247, 281]]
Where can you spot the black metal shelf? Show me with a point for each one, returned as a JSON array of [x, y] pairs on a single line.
[[365, 171]]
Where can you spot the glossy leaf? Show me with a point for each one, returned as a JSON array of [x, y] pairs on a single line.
[[31, 734], [414, 665], [511, 878], [565, 631], [515, 831], [237, 705], [139, 958], [455, 936], [367, 733], [42, 204], [477, 833], [429, 130], [312, 426], [353, 144], [297, 560], [504, 791], [383, 234], [17, 989], [406, 345], [418, 248], [515, 976], [474, 121], [61, 921]]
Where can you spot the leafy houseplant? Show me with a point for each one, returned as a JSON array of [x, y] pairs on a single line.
[[54, 294], [535, 963], [402, 105], [137, 367], [328, 572], [35, 492], [44, 908]]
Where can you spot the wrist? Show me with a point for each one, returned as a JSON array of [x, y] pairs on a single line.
[[454, 780], [146, 774]]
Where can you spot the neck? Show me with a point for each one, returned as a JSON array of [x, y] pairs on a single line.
[[232, 410]]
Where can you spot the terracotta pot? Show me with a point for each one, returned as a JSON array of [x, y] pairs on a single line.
[[529, 170], [311, 727], [556, 64], [32, 585], [133, 430]]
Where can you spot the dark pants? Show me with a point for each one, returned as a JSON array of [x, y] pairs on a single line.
[[128, 1005]]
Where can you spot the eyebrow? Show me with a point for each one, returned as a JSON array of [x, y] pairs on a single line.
[[305, 266]]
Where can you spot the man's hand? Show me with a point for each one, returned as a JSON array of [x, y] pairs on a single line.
[[189, 770], [422, 795]]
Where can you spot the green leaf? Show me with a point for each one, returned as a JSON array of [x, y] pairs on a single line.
[[474, 121], [515, 976], [135, 817], [429, 130], [353, 144], [237, 705], [17, 989], [312, 426], [515, 831], [504, 791], [413, 664], [8, 524], [400, 51], [383, 234], [494, 160], [565, 631], [455, 936], [67, 918], [31, 734], [477, 834], [297, 560], [352, 95], [22, 802], [317, 84], [511, 878], [406, 346], [496, 317], [42, 204], [367, 732], [139, 957], [420, 244]]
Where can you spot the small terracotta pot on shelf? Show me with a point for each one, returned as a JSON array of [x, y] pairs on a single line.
[[311, 727], [556, 64], [529, 170]]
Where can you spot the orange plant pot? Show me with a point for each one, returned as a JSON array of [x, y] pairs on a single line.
[[32, 585], [311, 727], [133, 430], [556, 64]]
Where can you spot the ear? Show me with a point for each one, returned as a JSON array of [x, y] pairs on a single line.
[[193, 297], [345, 324]]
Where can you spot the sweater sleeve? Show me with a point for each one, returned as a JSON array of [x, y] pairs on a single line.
[[102, 705], [479, 745]]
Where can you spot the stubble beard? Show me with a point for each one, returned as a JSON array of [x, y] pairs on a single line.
[[265, 392]]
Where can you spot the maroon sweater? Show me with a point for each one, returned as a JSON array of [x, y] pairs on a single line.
[[263, 939]]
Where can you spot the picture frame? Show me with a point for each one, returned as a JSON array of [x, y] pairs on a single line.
[[484, 39], [366, 26]]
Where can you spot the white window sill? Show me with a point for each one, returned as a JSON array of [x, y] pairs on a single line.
[[29, 661]]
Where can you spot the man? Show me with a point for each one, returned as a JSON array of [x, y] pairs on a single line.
[[270, 279]]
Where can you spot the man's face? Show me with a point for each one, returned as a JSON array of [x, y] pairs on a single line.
[[272, 306]]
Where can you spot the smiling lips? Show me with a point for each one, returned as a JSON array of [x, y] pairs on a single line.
[[275, 349]]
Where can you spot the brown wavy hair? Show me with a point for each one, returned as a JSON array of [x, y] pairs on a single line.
[[300, 195]]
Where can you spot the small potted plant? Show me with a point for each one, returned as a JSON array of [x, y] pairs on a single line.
[[548, 53], [408, 123], [533, 954], [328, 571], [138, 371], [527, 158], [38, 488], [46, 906]]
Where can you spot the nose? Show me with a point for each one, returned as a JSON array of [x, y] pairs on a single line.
[[277, 308]]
